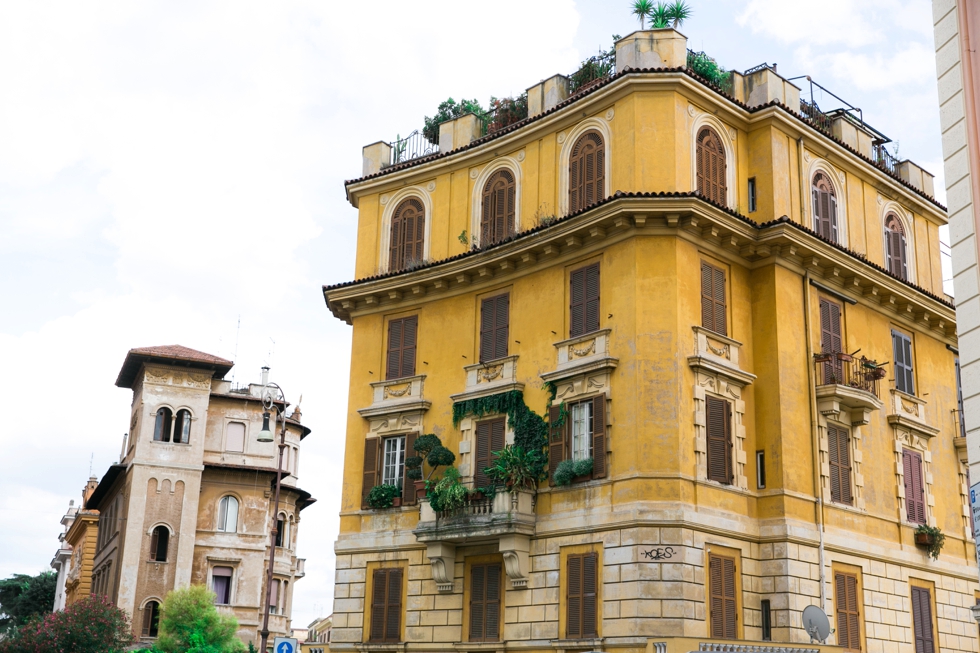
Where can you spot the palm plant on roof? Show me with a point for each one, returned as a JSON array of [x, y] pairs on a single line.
[[678, 11], [659, 17], [642, 9]]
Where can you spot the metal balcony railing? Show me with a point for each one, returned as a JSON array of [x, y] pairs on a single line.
[[838, 368], [413, 146], [884, 159]]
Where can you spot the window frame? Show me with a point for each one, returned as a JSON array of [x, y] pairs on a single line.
[[891, 258], [150, 630], [494, 340], [908, 375], [714, 189], [844, 572], [244, 434], [583, 597], [727, 419], [399, 465], [398, 260], [222, 524], [488, 203], [581, 275], [163, 424], [155, 539], [488, 567], [578, 189], [835, 230], [403, 370], [710, 302], [844, 468], [753, 195], [229, 588], [919, 587], [182, 419], [560, 439], [371, 604], [910, 475], [724, 556]]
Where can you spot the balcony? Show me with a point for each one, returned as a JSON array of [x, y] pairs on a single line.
[[846, 384], [300, 567], [582, 354], [908, 412], [396, 396], [508, 518], [484, 379]]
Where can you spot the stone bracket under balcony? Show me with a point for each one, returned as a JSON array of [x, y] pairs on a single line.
[[834, 399], [508, 519], [397, 396], [909, 412], [718, 355], [582, 355], [490, 378]]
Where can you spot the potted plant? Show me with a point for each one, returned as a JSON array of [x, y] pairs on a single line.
[[513, 468], [448, 493], [569, 471], [384, 496], [428, 448], [930, 538]]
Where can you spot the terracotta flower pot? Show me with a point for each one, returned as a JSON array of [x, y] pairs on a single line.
[[925, 539], [420, 487], [396, 502]]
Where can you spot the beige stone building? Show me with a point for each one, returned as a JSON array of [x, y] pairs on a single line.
[[191, 499]]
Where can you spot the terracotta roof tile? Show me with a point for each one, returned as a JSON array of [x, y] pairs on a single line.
[[180, 352], [170, 355]]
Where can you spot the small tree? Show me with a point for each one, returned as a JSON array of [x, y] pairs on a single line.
[[23, 596], [189, 623], [449, 110], [91, 625], [429, 449]]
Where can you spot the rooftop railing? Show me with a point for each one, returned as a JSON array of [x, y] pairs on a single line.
[[884, 159], [413, 146], [838, 368]]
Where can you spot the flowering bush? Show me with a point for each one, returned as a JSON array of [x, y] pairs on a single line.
[[92, 625]]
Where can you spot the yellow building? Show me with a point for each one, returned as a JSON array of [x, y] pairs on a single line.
[[81, 538], [727, 306]]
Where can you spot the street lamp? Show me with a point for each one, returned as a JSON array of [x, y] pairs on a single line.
[[272, 398]]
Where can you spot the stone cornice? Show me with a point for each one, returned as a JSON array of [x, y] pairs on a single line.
[[624, 216]]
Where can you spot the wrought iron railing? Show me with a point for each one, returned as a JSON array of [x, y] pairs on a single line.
[[884, 159], [845, 369], [818, 118], [476, 504], [761, 66], [413, 146]]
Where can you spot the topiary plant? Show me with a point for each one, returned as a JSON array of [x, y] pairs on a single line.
[[429, 449], [383, 496]]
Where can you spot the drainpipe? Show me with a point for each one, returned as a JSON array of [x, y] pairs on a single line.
[[815, 439], [803, 194]]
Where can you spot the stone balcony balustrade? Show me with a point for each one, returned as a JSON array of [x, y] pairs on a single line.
[[507, 518], [582, 355], [908, 412], [490, 378]]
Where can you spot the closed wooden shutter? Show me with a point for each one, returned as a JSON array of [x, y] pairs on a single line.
[[838, 441], [370, 478], [922, 620], [407, 237], [402, 336], [824, 208], [408, 485], [485, 603], [490, 438], [154, 543], [581, 604], [848, 614], [895, 254], [556, 439], [386, 604], [586, 172], [915, 500], [494, 327], [718, 427], [902, 350], [714, 315], [584, 301], [499, 208], [599, 437], [831, 341], [712, 167], [721, 583]]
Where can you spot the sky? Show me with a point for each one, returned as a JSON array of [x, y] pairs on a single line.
[[172, 173]]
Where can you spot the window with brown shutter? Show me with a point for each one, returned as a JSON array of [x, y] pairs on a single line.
[[499, 208], [712, 167], [485, 584], [922, 620], [718, 422], [494, 327], [402, 336], [722, 608], [584, 301], [560, 441], [580, 595], [839, 442], [586, 172], [408, 485], [490, 438], [915, 500], [386, 605], [406, 243], [824, 207], [848, 612], [370, 478], [151, 619], [831, 341], [895, 247], [902, 352], [159, 543], [714, 315]]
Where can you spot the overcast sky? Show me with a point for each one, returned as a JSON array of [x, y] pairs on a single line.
[[168, 169]]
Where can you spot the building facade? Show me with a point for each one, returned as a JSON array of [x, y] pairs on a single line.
[[719, 312], [318, 636], [957, 33], [191, 499]]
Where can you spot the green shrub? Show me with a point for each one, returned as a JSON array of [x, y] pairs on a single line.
[[189, 623], [514, 468], [583, 467], [449, 493], [22, 597], [564, 473], [449, 110], [703, 65], [383, 496]]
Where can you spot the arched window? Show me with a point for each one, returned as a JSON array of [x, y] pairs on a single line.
[[824, 207], [282, 531], [228, 514], [407, 243], [159, 543], [499, 208], [712, 167], [586, 171], [895, 255], [164, 423], [182, 426], [151, 619]]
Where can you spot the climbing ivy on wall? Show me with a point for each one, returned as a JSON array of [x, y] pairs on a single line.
[[530, 429]]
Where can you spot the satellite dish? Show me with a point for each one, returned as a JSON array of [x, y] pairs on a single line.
[[815, 623]]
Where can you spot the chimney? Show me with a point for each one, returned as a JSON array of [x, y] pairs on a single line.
[[89, 488]]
